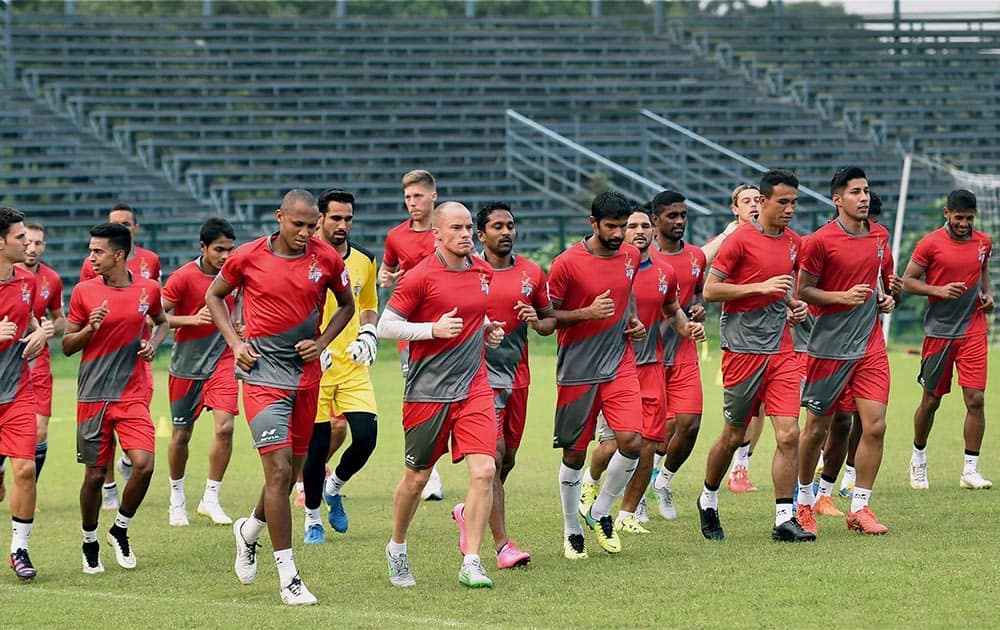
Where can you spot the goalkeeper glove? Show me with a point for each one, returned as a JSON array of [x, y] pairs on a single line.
[[362, 350]]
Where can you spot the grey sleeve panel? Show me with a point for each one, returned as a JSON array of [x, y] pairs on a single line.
[[502, 361]]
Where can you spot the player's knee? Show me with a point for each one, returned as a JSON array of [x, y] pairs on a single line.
[[974, 400], [94, 476], [787, 437], [224, 429], [629, 444], [482, 470], [24, 471], [689, 428], [180, 437], [875, 429], [930, 402], [508, 461], [142, 464]]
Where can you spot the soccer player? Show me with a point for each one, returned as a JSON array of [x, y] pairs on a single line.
[[519, 298], [590, 285], [284, 278], [107, 321], [346, 396], [21, 338], [684, 397], [201, 372], [406, 245], [950, 267], [441, 307], [753, 277], [844, 276]]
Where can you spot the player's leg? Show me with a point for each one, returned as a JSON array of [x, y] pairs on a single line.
[[312, 478], [937, 364], [634, 490], [575, 420], [850, 472], [784, 469], [137, 436], [834, 451], [219, 454], [600, 455], [95, 449], [364, 435], [185, 407], [510, 429], [972, 368], [653, 401], [923, 422], [719, 456], [18, 433], [739, 474], [868, 459], [684, 399], [110, 499]]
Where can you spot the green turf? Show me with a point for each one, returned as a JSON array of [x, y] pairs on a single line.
[[936, 567]]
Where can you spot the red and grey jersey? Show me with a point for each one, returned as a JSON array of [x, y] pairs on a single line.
[[946, 259], [110, 368], [48, 298], [405, 247], [839, 260], [524, 281], [595, 350], [197, 349], [17, 296], [444, 370], [283, 299], [655, 285], [689, 266], [144, 264], [757, 324]]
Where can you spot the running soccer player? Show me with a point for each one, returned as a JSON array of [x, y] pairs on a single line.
[[519, 298], [346, 396], [107, 321], [201, 372], [950, 267], [684, 397], [21, 339], [590, 285], [406, 245], [845, 277], [441, 307], [284, 278]]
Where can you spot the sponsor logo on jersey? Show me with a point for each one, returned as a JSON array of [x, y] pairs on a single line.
[[695, 267]]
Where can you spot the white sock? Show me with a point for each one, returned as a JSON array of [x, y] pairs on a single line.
[[89, 536], [860, 499], [663, 479], [286, 566], [620, 469], [434, 474], [569, 492], [709, 499], [806, 496], [622, 515], [825, 487], [110, 489], [252, 527], [588, 478], [313, 518], [334, 484], [742, 457], [819, 462], [126, 460], [919, 456], [850, 475], [20, 534], [396, 548], [971, 464], [212, 488], [122, 521], [177, 491], [470, 558], [782, 513]]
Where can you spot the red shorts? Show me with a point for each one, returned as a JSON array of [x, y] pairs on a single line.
[[835, 384], [41, 380], [18, 429], [751, 379], [188, 398], [511, 407], [280, 418], [938, 360], [683, 393], [470, 423], [577, 407], [95, 422], [653, 395]]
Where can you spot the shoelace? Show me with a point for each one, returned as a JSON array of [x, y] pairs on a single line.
[[123, 544], [21, 561], [919, 472], [475, 568], [607, 527], [400, 564], [251, 551], [576, 542], [712, 516], [92, 551], [295, 586]]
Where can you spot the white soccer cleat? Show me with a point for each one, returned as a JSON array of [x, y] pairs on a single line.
[[433, 490], [665, 503], [295, 593], [975, 481], [124, 555], [642, 511], [400, 573], [178, 515], [918, 476], [246, 555], [214, 511]]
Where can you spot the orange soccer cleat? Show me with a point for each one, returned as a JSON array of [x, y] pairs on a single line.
[[865, 521], [739, 481], [806, 518], [824, 506]]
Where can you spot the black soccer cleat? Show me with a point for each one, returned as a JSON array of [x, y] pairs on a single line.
[[791, 531], [711, 528]]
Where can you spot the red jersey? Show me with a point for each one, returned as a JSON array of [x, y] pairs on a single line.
[[689, 265], [110, 369], [405, 247], [197, 349], [756, 324], [17, 295], [655, 285], [283, 301], [445, 370], [48, 298], [594, 350], [946, 259], [145, 264], [839, 260], [524, 282]]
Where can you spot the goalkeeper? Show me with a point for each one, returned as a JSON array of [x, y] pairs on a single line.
[[346, 396]]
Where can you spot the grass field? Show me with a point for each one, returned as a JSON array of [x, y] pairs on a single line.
[[936, 567]]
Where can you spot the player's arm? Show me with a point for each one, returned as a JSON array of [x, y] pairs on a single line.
[[77, 334], [393, 325], [601, 308], [309, 349], [914, 283], [543, 323], [985, 290], [147, 347], [57, 320], [711, 248], [811, 294], [215, 300], [202, 317], [679, 321], [34, 339], [717, 289]]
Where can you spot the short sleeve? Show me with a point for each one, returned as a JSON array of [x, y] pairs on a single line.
[[339, 280], [174, 287], [232, 272], [391, 256], [541, 301], [155, 305], [407, 296], [86, 271], [728, 258], [368, 298], [812, 258], [78, 313], [556, 284], [55, 302], [923, 253]]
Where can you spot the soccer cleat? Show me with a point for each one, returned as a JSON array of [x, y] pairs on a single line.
[[711, 527], [337, 516], [630, 525], [246, 554], [213, 511], [604, 527], [847, 490], [473, 575], [178, 515], [918, 476], [92, 558], [791, 531], [865, 521], [21, 563], [459, 515], [124, 470], [433, 491], [974, 481], [665, 503], [588, 494], [295, 593], [806, 518], [575, 547], [824, 506], [642, 511], [739, 481], [315, 534], [510, 556], [300, 498], [109, 498], [399, 569], [123, 550]]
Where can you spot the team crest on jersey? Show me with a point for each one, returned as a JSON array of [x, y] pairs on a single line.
[[982, 252], [695, 267], [879, 247], [144, 268], [629, 267], [793, 251], [357, 290], [45, 290], [314, 273], [662, 283], [143, 302], [484, 284], [526, 287], [25, 293]]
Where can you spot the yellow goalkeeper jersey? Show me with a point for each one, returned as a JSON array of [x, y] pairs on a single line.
[[362, 270]]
